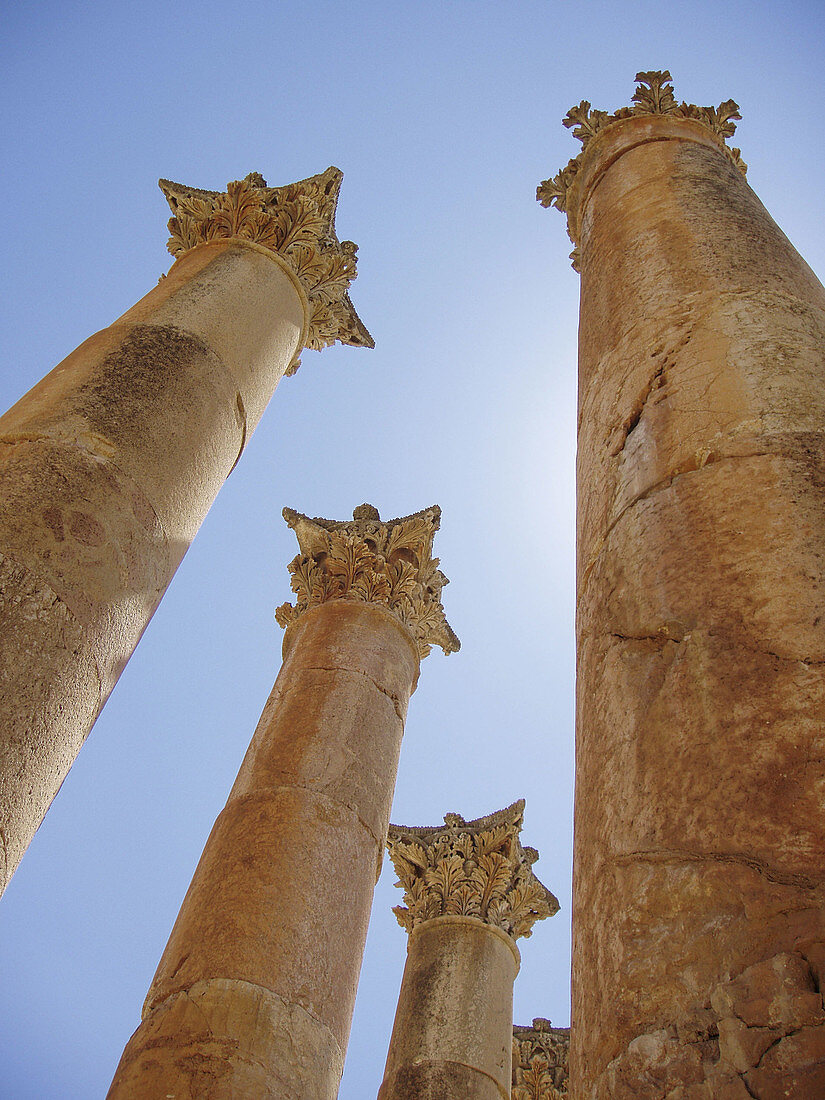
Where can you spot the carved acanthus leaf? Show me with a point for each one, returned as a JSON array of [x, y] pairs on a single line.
[[540, 1062], [553, 192], [298, 223], [470, 868], [584, 122], [653, 96], [372, 561]]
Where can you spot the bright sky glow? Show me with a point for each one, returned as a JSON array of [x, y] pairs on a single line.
[[444, 117]]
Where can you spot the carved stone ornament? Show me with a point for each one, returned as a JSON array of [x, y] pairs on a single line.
[[471, 869], [298, 223], [540, 1056], [653, 96], [386, 562]]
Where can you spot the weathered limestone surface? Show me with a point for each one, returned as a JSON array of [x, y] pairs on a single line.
[[254, 993], [281, 898], [700, 797], [452, 1031], [470, 894], [110, 463], [190, 1045]]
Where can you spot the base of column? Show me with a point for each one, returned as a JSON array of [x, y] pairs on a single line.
[[229, 1040]]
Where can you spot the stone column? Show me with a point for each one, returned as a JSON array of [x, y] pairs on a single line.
[[540, 1059], [109, 465], [470, 894], [700, 803], [254, 993]]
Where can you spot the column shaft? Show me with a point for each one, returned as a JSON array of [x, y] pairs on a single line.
[[470, 893], [107, 469], [254, 993], [453, 1031], [700, 817]]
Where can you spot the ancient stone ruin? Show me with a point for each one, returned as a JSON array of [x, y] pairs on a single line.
[[698, 910]]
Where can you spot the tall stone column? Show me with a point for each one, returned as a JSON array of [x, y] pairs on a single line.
[[470, 893], [254, 993], [699, 925], [540, 1062], [109, 465]]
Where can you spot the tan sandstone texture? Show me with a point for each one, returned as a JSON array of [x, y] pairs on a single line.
[[109, 465], [254, 994], [470, 893], [700, 790]]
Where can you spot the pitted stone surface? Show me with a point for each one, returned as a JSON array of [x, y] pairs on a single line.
[[280, 901], [700, 790]]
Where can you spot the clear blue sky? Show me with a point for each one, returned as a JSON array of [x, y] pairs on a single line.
[[443, 117]]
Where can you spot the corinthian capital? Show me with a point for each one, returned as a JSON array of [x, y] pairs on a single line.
[[470, 868], [386, 562], [653, 96], [540, 1056], [298, 223]]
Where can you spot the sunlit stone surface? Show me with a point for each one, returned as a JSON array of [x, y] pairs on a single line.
[[109, 465], [700, 810], [254, 993]]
